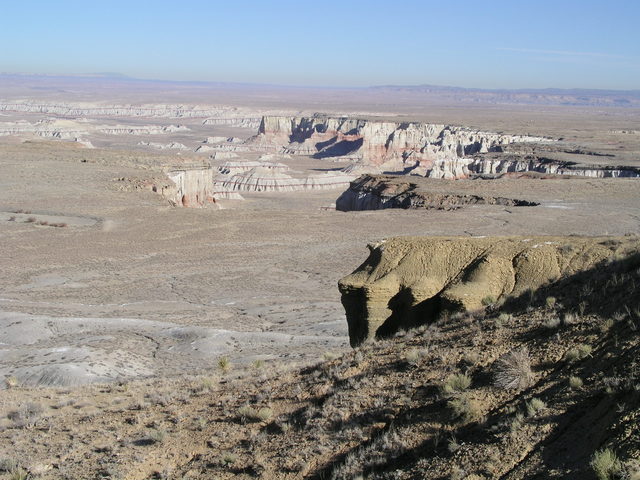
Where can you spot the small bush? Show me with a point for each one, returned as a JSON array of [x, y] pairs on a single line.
[[550, 302], [456, 383], [12, 218], [605, 464], [18, 474], [412, 356], [516, 423], [578, 352], [157, 435], [30, 220], [224, 364], [27, 416], [465, 409], [551, 323], [606, 325], [251, 414], [471, 358], [9, 464], [513, 370], [11, 382], [534, 405], [575, 383], [258, 364], [452, 445], [206, 385], [488, 300], [328, 356], [229, 458]]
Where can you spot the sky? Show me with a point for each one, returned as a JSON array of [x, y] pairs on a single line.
[[484, 44]]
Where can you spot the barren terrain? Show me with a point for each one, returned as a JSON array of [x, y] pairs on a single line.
[[105, 281]]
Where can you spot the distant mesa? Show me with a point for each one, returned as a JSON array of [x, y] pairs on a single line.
[[376, 192]]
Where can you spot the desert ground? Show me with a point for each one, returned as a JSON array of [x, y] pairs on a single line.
[[106, 282]]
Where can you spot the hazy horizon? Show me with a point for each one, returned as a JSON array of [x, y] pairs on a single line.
[[501, 45]]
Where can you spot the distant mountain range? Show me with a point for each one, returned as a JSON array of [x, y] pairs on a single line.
[[16, 84]]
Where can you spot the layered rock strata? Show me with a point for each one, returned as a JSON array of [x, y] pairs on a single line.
[[265, 179], [376, 192], [79, 109], [233, 168], [69, 129], [411, 281], [239, 122], [193, 187], [389, 145]]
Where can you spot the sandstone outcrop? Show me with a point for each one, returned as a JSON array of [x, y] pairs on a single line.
[[194, 186], [69, 129], [376, 192], [390, 145], [223, 155], [411, 281], [164, 146], [233, 168], [239, 122], [268, 179]]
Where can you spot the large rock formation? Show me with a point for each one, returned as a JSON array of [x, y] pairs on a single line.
[[270, 178], [69, 129], [194, 186], [410, 281], [390, 145], [233, 168], [376, 192]]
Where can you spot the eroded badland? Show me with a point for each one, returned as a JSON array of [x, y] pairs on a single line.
[[169, 304]]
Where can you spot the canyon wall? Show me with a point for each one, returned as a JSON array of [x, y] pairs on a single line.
[[390, 145]]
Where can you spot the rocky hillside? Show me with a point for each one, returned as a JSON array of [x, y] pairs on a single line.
[[542, 383]]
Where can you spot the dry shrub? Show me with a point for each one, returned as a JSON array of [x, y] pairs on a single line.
[[465, 409], [513, 370]]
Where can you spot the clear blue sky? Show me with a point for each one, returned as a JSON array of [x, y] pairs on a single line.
[[490, 44]]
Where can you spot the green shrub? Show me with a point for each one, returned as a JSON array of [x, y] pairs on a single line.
[[551, 323], [488, 300], [605, 464], [251, 414], [456, 383], [465, 409], [578, 352], [575, 383], [534, 405], [224, 364]]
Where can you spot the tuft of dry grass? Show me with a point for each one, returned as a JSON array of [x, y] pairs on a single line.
[[465, 409], [456, 383], [513, 370]]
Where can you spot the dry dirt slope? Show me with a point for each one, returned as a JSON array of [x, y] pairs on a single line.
[[423, 404]]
